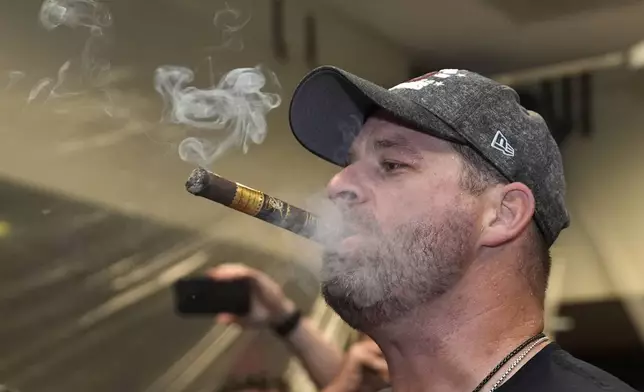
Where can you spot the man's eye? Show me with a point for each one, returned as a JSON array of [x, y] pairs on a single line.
[[389, 166]]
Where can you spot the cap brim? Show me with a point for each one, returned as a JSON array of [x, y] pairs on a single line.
[[330, 105]]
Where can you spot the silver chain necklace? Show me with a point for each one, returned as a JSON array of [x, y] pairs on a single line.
[[517, 362]]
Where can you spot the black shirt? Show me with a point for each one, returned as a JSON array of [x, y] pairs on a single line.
[[555, 370]]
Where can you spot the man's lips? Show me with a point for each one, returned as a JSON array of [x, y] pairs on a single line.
[[350, 238], [335, 233], [351, 241], [342, 239]]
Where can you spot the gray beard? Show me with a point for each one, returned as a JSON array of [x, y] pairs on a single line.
[[393, 274]]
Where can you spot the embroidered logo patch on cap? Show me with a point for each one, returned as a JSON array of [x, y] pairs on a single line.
[[432, 78]]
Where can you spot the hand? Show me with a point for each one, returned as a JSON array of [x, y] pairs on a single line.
[[268, 304], [364, 369]]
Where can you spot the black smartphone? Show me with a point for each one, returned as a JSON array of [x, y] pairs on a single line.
[[206, 296]]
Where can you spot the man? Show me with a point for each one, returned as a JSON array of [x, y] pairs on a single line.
[[450, 196]]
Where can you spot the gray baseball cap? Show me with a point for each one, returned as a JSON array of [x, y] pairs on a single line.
[[330, 105]]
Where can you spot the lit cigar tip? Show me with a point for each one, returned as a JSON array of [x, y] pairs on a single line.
[[198, 181]]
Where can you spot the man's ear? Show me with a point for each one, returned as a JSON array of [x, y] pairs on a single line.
[[508, 211]]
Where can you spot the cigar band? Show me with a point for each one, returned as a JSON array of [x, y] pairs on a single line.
[[247, 200]]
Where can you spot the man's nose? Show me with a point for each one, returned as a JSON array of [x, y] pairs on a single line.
[[345, 187]]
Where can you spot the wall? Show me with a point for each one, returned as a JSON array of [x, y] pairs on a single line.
[[602, 251]]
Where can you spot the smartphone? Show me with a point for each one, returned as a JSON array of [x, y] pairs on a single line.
[[208, 297]]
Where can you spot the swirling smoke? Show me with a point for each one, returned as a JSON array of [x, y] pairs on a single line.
[[75, 13], [231, 113], [86, 14]]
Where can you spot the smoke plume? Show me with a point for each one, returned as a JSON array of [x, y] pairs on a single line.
[[14, 77], [47, 82], [231, 113], [227, 114], [75, 13], [95, 18], [230, 21], [38, 88], [60, 80]]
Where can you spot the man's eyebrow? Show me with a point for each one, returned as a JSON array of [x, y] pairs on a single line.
[[389, 142], [397, 142]]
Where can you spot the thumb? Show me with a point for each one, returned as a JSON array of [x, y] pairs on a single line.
[[226, 318], [376, 375], [378, 365]]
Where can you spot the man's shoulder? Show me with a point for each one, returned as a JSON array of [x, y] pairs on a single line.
[[583, 373], [561, 371], [556, 370]]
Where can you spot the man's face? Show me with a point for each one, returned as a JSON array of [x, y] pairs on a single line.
[[404, 229]]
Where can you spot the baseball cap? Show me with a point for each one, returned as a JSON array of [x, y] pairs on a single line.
[[459, 106]]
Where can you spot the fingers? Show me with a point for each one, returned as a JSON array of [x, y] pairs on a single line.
[[262, 284], [226, 319], [371, 347], [268, 301], [368, 346], [240, 271], [231, 271], [368, 355], [377, 364]]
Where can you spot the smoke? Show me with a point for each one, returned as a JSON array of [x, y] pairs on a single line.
[[38, 88], [95, 18], [62, 75], [75, 13], [230, 21], [331, 222], [44, 83], [89, 14], [14, 78], [349, 130], [231, 113], [95, 69]]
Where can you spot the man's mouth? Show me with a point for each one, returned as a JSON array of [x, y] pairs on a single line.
[[350, 241], [347, 231]]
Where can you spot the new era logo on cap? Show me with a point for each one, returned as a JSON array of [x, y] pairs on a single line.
[[502, 144]]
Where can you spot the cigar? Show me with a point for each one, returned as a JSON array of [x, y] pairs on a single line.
[[252, 202]]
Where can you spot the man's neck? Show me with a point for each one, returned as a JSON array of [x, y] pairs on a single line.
[[451, 344]]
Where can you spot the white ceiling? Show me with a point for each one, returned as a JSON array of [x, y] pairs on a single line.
[[473, 34]]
